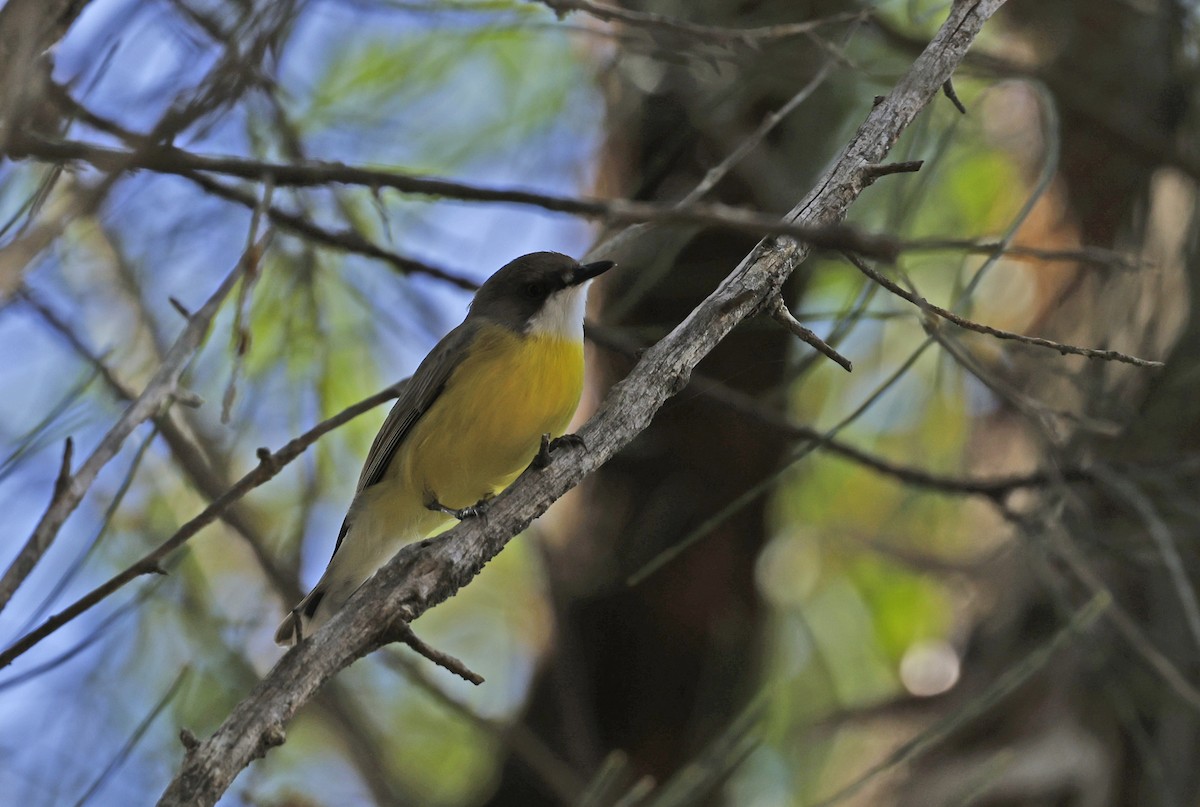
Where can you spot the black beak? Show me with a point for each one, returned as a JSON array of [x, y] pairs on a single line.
[[587, 271]]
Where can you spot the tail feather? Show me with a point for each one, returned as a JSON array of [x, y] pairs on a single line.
[[300, 622]]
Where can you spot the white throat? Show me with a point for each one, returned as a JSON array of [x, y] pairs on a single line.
[[561, 315]]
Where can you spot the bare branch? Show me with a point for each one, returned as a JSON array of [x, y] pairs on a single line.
[[269, 465], [779, 312], [157, 393], [404, 633], [426, 573], [970, 325], [169, 160]]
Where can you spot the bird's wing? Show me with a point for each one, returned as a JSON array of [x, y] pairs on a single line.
[[416, 396]]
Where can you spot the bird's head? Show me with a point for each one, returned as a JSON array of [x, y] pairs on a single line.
[[540, 293]]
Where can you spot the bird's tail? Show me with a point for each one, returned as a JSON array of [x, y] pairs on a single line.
[[302, 620]]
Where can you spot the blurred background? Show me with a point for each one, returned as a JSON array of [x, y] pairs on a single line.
[[962, 574]]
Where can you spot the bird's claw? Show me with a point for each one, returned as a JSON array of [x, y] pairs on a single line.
[[549, 446], [472, 511]]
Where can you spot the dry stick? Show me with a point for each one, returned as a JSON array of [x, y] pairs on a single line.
[[404, 633], [69, 493], [779, 312], [970, 325], [269, 465], [424, 574], [170, 160]]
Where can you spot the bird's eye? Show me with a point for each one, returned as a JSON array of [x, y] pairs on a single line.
[[533, 290]]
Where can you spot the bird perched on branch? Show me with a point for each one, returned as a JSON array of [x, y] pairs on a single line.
[[467, 423]]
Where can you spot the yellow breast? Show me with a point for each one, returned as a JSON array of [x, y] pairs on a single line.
[[486, 426]]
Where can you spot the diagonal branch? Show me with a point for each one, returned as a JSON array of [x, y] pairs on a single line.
[[159, 392], [270, 464], [426, 573]]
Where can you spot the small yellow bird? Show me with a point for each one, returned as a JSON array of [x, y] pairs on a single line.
[[467, 423]]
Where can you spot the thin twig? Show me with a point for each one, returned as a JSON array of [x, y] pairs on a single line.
[[404, 633], [971, 325], [874, 172], [1160, 533], [269, 465], [779, 312], [252, 258], [748, 144], [1095, 256], [1124, 623], [948, 91], [169, 160], [345, 240], [157, 392]]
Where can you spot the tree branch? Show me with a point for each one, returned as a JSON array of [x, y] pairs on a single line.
[[69, 493], [269, 465], [170, 160], [424, 574], [970, 325]]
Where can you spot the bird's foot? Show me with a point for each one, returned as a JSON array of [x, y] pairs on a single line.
[[473, 511], [548, 447]]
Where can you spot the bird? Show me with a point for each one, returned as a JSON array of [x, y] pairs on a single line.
[[495, 394]]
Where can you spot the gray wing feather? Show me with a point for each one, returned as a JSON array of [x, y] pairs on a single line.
[[416, 396]]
